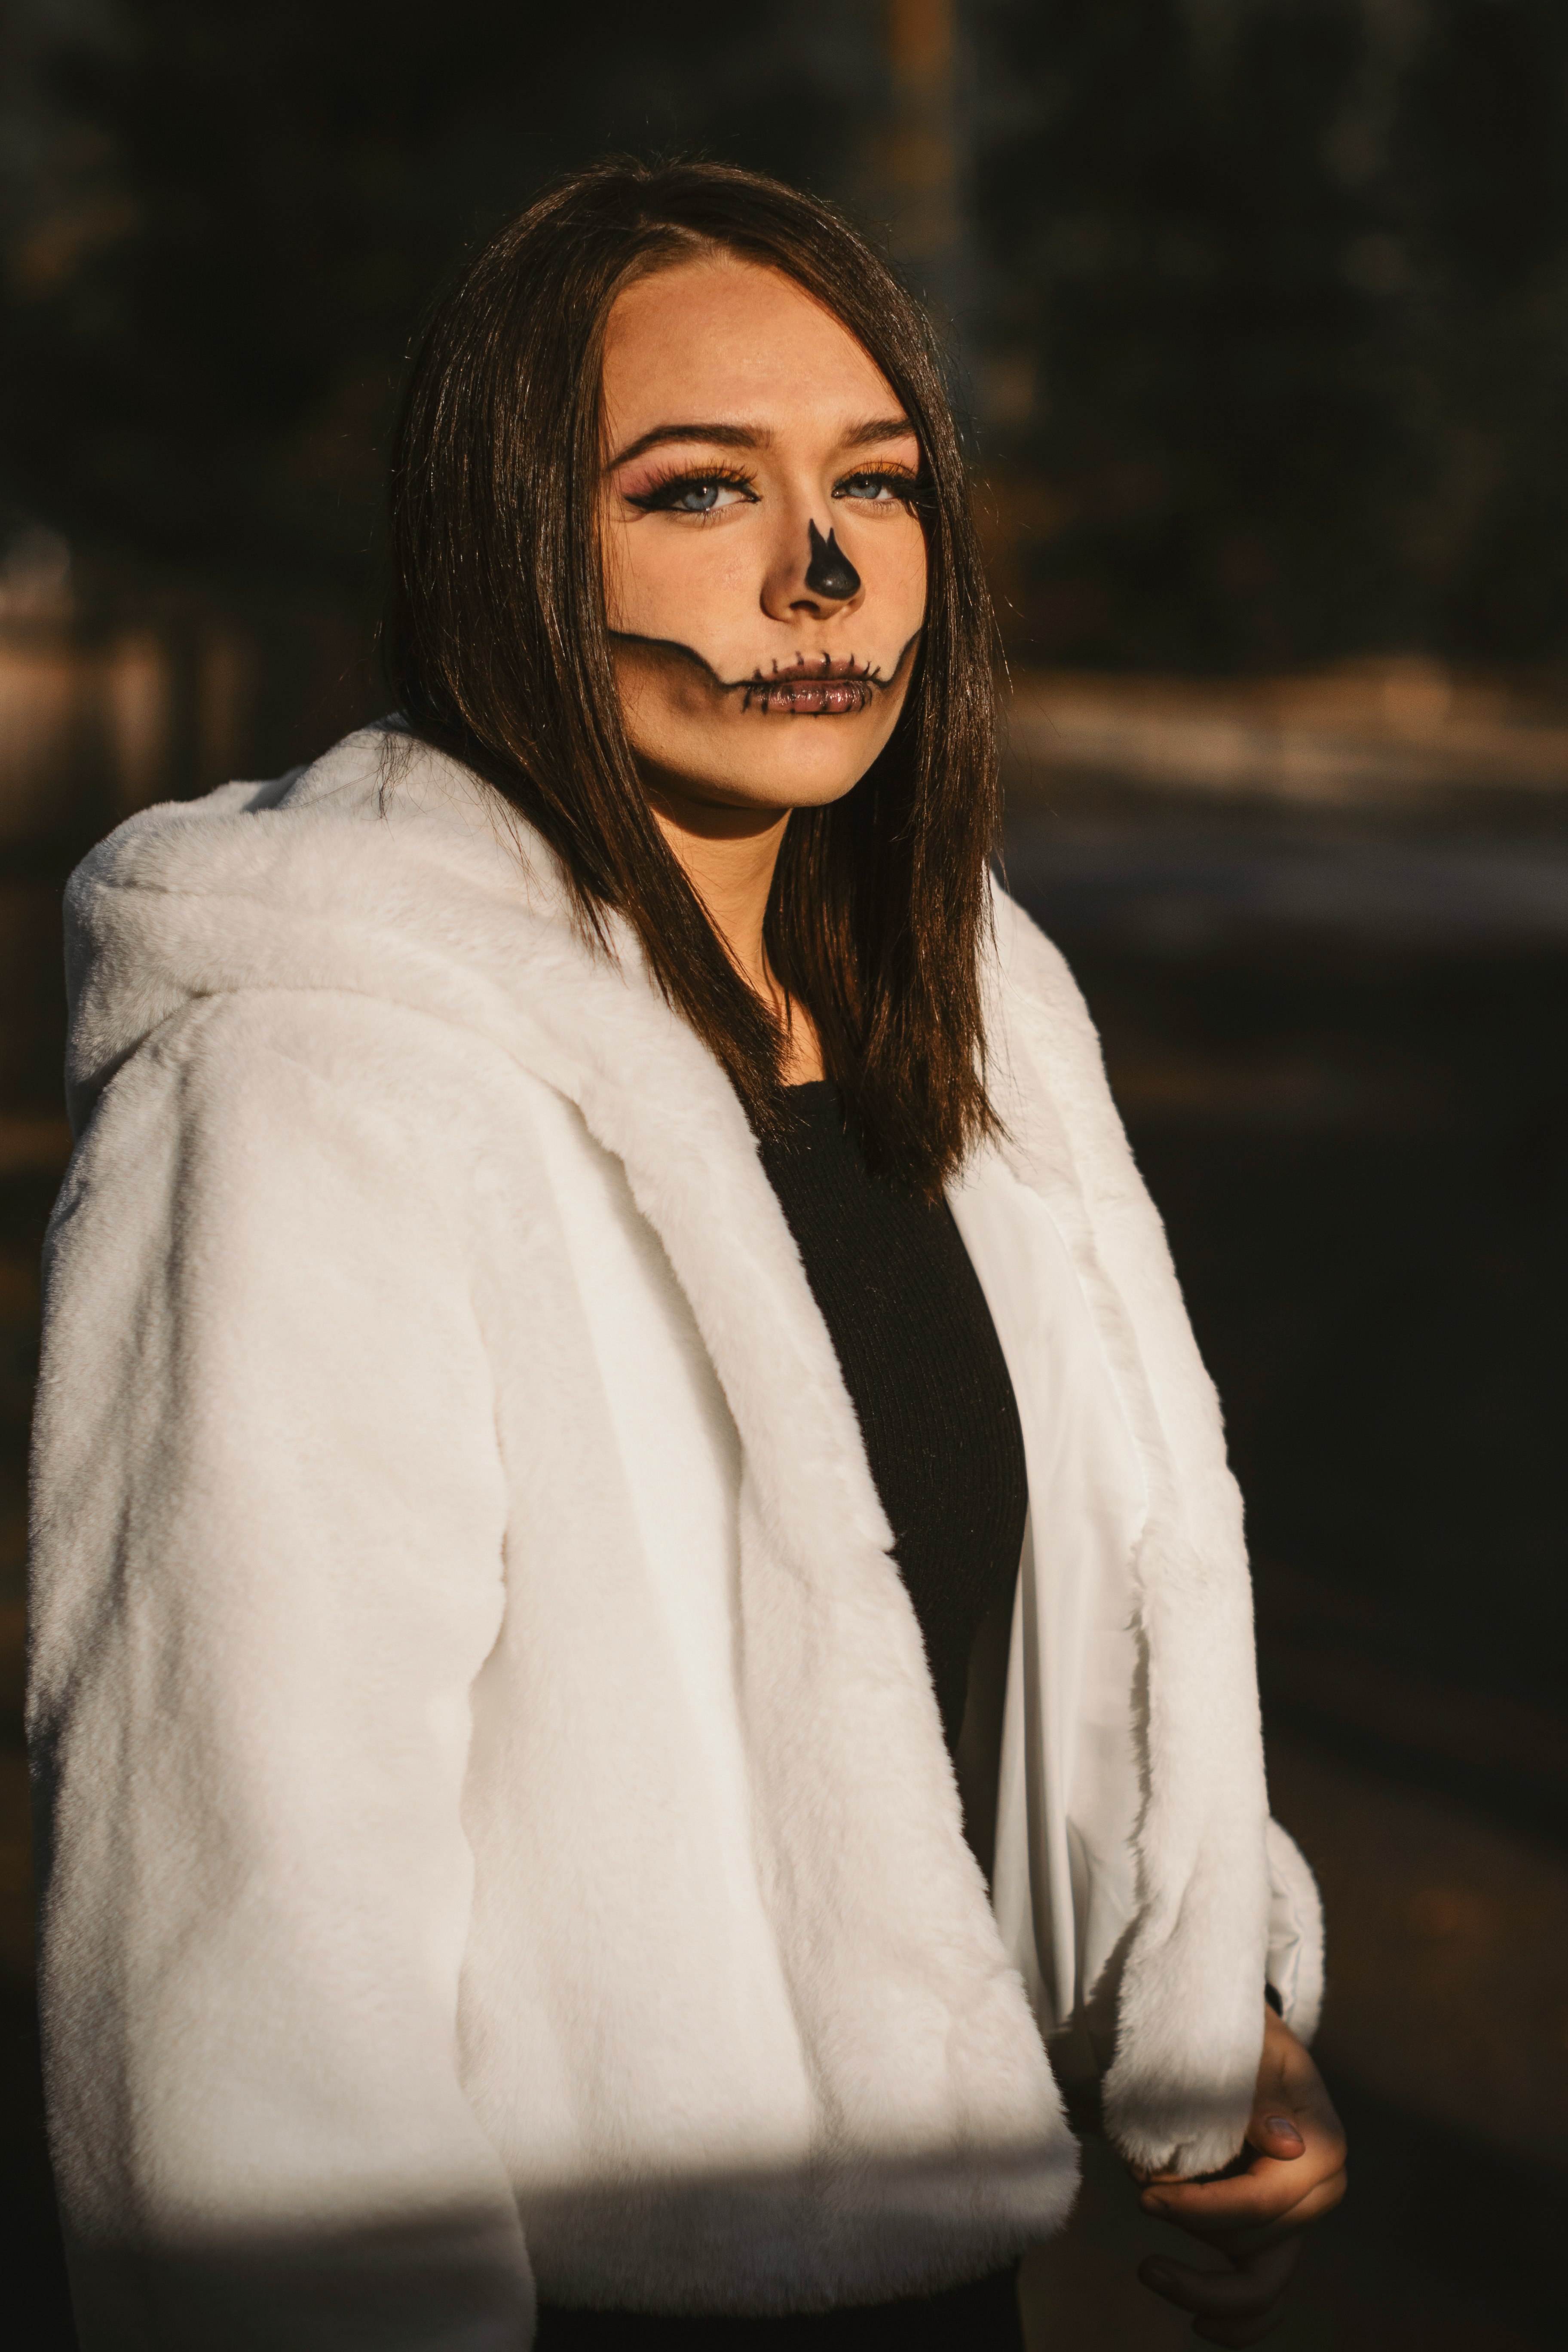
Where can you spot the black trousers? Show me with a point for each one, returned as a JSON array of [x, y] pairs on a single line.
[[978, 2318]]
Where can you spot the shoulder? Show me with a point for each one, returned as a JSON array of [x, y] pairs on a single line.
[[350, 1048], [1032, 970], [1034, 993], [380, 874], [326, 1120]]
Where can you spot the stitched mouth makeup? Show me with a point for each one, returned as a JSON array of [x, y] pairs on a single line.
[[814, 686], [814, 689]]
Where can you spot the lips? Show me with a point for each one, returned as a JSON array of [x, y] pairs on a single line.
[[824, 690]]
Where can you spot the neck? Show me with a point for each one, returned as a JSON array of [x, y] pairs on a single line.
[[729, 855]]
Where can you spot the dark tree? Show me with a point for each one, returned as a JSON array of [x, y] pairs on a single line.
[[1477, 182], [201, 370], [1291, 274]]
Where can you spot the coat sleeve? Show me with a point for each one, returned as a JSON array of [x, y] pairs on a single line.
[[267, 1567], [1295, 1935], [1189, 1415], [1227, 1902]]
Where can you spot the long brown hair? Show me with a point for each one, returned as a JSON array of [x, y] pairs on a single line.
[[495, 644]]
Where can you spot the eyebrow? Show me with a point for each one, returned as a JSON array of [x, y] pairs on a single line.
[[746, 437]]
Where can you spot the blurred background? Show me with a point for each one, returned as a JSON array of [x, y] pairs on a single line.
[[1258, 311]]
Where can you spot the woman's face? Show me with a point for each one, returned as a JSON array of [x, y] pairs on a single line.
[[764, 569]]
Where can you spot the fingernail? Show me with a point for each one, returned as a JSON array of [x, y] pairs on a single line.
[[1283, 2128], [1152, 2204]]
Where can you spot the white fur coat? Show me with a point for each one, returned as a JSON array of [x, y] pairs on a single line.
[[499, 1831]]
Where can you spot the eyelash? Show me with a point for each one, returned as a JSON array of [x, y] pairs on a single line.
[[659, 497], [896, 479]]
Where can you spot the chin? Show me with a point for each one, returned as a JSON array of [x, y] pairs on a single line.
[[817, 761]]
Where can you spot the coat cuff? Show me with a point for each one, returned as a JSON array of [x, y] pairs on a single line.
[[1295, 1935]]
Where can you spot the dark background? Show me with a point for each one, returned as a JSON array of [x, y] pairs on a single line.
[[1257, 313], [1262, 300]]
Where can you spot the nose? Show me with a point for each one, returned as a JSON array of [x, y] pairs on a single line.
[[829, 571], [827, 583]]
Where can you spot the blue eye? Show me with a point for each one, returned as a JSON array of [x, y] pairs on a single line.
[[694, 494], [878, 489], [696, 497]]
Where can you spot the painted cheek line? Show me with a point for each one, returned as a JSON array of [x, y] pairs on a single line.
[[680, 651], [826, 695]]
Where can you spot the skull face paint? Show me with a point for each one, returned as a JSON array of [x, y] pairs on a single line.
[[740, 416], [824, 688]]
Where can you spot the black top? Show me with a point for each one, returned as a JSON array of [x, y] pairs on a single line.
[[924, 1368]]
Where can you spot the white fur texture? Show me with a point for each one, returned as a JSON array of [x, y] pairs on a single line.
[[501, 1829]]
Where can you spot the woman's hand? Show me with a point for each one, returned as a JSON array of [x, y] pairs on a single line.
[[1292, 2169]]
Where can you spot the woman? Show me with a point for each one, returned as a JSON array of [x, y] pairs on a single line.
[[605, 1356]]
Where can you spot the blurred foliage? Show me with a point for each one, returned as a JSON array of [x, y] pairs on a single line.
[[202, 336], [1292, 279], [1268, 319]]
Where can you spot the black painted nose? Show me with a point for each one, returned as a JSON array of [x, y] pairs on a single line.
[[830, 572]]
